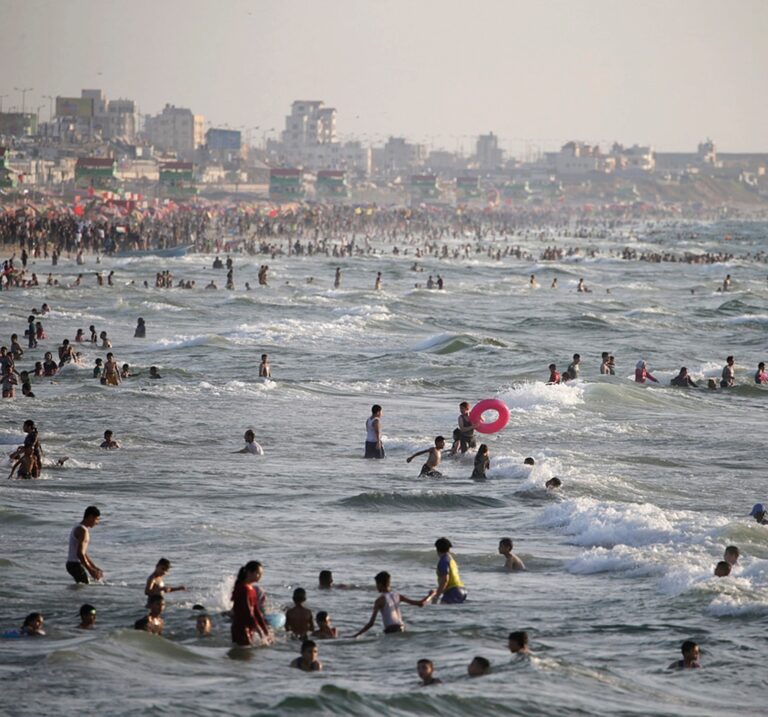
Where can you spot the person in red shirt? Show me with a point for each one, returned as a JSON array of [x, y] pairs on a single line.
[[642, 373], [247, 617], [554, 375]]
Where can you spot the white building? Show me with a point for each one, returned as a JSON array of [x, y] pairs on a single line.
[[578, 158], [489, 156], [310, 124], [176, 129]]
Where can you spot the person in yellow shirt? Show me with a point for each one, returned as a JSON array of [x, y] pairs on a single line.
[[450, 589]]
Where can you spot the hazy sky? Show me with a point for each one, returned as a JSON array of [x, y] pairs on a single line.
[[663, 72]]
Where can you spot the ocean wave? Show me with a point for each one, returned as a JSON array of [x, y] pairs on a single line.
[[541, 396], [420, 501]]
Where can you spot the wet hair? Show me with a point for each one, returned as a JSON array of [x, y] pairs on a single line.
[[507, 542], [250, 567], [552, 366], [383, 578], [482, 662], [164, 562], [728, 358], [732, 550], [424, 661], [687, 647], [32, 617], [529, 462], [576, 356], [375, 408], [321, 617], [554, 483], [91, 510], [520, 637], [299, 595], [605, 355], [482, 450], [443, 545], [438, 439], [724, 567], [325, 579], [307, 645], [87, 609], [464, 404], [107, 433]]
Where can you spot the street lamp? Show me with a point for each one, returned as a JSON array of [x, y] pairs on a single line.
[[23, 91]]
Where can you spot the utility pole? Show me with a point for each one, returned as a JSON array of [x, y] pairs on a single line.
[[23, 91]]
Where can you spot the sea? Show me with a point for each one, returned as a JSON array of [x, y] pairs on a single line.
[[656, 480]]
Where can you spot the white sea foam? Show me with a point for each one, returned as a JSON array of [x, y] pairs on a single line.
[[540, 396]]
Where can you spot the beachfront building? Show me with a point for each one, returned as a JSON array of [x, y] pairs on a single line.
[[96, 172], [91, 114], [332, 184], [467, 189], [176, 129], [398, 155], [177, 179], [286, 185], [423, 188], [309, 126], [488, 154], [579, 159], [633, 159], [18, 124], [7, 179]]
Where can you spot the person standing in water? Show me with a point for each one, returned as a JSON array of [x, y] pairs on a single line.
[[337, 278], [388, 604], [450, 589], [247, 617], [264, 370], [642, 373], [464, 434], [79, 564], [729, 376], [373, 445], [141, 330]]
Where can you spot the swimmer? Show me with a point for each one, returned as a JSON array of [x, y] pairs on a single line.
[[532, 282], [482, 463], [264, 370], [79, 564], [683, 379], [212, 285], [325, 629], [731, 555], [449, 585], [728, 375], [27, 464], [125, 371], [33, 625], [153, 372], [554, 374], [203, 625], [529, 462], [152, 622], [612, 365], [518, 643], [712, 385], [479, 667], [691, 653], [97, 369], [87, 617], [337, 278], [80, 336], [553, 484], [94, 338], [574, 367], [308, 661], [642, 373], [250, 444], [155, 582], [325, 581], [105, 342], [511, 561], [247, 616], [110, 375], [604, 368], [388, 604], [9, 382], [108, 443], [141, 329], [464, 434], [760, 375], [298, 619], [553, 285], [429, 469], [425, 670], [377, 283], [722, 569], [758, 513]]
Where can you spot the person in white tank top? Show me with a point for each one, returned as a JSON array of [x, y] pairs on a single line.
[[79, 564], [388, 604], [373, 445]]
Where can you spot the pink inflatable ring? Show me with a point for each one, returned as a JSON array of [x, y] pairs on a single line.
[[489, 404]]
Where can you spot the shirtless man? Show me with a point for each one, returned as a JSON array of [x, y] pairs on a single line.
[[299, 619], [27, 464], [153, 622], [429, 469], [511, 561], [111, 372], [79, 564], [109, 443]]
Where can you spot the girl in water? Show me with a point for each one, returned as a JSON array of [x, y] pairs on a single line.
[[246, 613], [482, 463]]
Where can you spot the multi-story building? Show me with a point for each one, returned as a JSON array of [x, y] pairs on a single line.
[[399, 155], [176, 129], [577, 158], [489, 155], [309, 125]]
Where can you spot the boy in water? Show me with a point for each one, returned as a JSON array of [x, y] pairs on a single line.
[[87, 617], [27, 464], [722, 569], [388, 604], [429, 469], [250, 444], [425, 669], [153, 622], [156, 583], [511, 561], [298, 619], [308, 661], [109, 443], [518, 643], [479, 667], [691, 653], [731, 555], [553, 484], [264, 370], [464, 434], [554, 374], [153, 372], [325, 629]]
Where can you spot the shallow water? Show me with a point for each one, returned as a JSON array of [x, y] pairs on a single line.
[[656, 482]]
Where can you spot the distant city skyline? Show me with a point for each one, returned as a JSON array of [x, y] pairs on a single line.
[[536, 74]]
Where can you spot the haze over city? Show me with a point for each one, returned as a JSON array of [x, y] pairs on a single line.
[[536, 74]]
